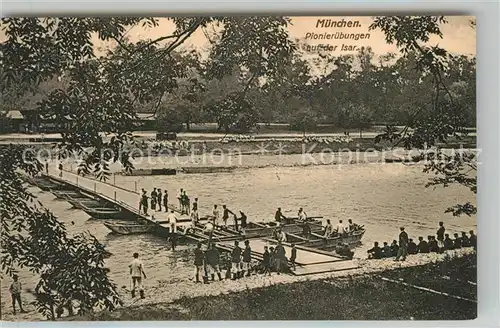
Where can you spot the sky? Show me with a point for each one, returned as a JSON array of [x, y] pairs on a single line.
[[458, 36]]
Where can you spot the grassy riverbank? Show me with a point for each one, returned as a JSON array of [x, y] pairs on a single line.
[[364, 297]]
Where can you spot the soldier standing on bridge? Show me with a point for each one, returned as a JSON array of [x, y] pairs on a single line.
[[186, 202], [159, 199], [144, 202], [60, 169], [165, 200], [154, 198], [179, 197]]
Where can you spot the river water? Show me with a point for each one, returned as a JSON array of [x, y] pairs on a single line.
[[382, 197]]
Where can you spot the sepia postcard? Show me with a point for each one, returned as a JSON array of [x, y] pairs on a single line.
[[238, 168]]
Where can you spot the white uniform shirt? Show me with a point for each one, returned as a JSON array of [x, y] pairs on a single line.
[[340, 228], [216, 214], [302, 215], [173, 222], [136, 268]]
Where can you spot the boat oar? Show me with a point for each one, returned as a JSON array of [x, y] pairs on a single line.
[[309, 217]]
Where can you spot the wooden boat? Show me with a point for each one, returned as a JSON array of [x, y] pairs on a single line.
[[65, 194], [108, 213], [82, 203], [316, 240], [267, 229], [47, 185], [84, 200], [128, 228]]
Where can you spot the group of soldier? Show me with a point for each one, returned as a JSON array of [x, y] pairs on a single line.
[[434, 244], [208, 262]]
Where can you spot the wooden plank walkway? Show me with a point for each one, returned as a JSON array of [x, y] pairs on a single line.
[[116, 195]]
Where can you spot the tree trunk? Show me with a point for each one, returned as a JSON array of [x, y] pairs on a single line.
[[188, 126], [361, 133]]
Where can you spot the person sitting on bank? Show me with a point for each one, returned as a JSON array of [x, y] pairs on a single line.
[[433, 244], [394, 248], [412, 247], [343, 249], [423, 246], [465, 240], [247, 258], [278, 216], [328, 229], [301, 215], [375, 252], [448, 243], [457, 241], [473, 239], [386, 250]]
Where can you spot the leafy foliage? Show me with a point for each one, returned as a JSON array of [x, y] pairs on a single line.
[[71, 269], [444, 117], [96, 110], [233, 112]]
